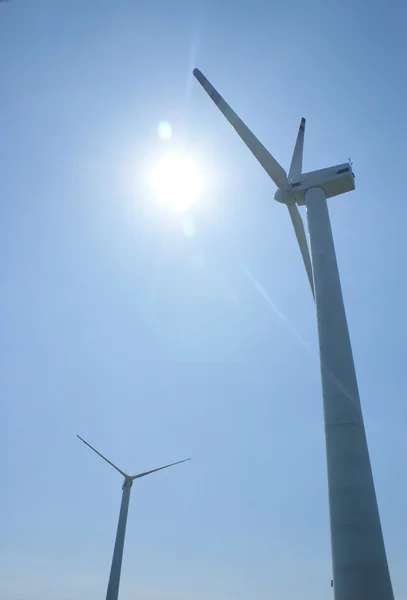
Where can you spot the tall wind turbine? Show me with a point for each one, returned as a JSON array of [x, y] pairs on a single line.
[[115, 570], [360, 569]]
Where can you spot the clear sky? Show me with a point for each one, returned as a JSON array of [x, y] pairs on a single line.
[[159, 335]]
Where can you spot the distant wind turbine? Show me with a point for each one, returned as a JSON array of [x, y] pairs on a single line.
[[115, 570]]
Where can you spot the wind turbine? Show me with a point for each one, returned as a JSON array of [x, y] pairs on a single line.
[[115, 570], [360, 568]]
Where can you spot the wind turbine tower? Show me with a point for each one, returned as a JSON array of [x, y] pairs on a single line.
[[360, 569], [115, 570]]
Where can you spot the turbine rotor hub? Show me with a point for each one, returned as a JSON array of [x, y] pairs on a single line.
[[283, 197]]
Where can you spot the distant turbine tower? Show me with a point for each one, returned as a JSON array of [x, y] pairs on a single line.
[[360, 569], [115, 570]]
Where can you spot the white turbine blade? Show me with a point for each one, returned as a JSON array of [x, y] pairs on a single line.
[[159, 469], [302, 241], [101, 455], [296, 162], [268, 162]]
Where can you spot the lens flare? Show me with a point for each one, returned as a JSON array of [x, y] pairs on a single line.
[[164, 130]]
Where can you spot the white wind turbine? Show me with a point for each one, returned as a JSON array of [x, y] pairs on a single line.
[[360, 569], [115, 570]]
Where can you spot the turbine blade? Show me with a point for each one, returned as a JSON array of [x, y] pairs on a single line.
[[302, 241], [268, 162], [104, 457], [296, 162], [159, 469]]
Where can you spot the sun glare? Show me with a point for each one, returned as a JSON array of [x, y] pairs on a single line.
[[177, 182]]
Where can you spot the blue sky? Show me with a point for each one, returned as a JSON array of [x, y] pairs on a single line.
[[154, 345]]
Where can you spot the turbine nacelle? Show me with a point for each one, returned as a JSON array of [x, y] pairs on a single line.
[[333, 181]]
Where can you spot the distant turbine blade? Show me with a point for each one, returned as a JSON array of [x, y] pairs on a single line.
[[159, 469], [268, 162], [104, 457], [302, 241], [296, 162]]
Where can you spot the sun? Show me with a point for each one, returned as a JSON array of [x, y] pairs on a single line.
[[176, 181]]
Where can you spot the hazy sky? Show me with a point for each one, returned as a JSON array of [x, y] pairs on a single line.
[[155, 344]]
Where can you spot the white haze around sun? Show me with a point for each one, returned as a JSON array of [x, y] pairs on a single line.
[[177, 181]]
